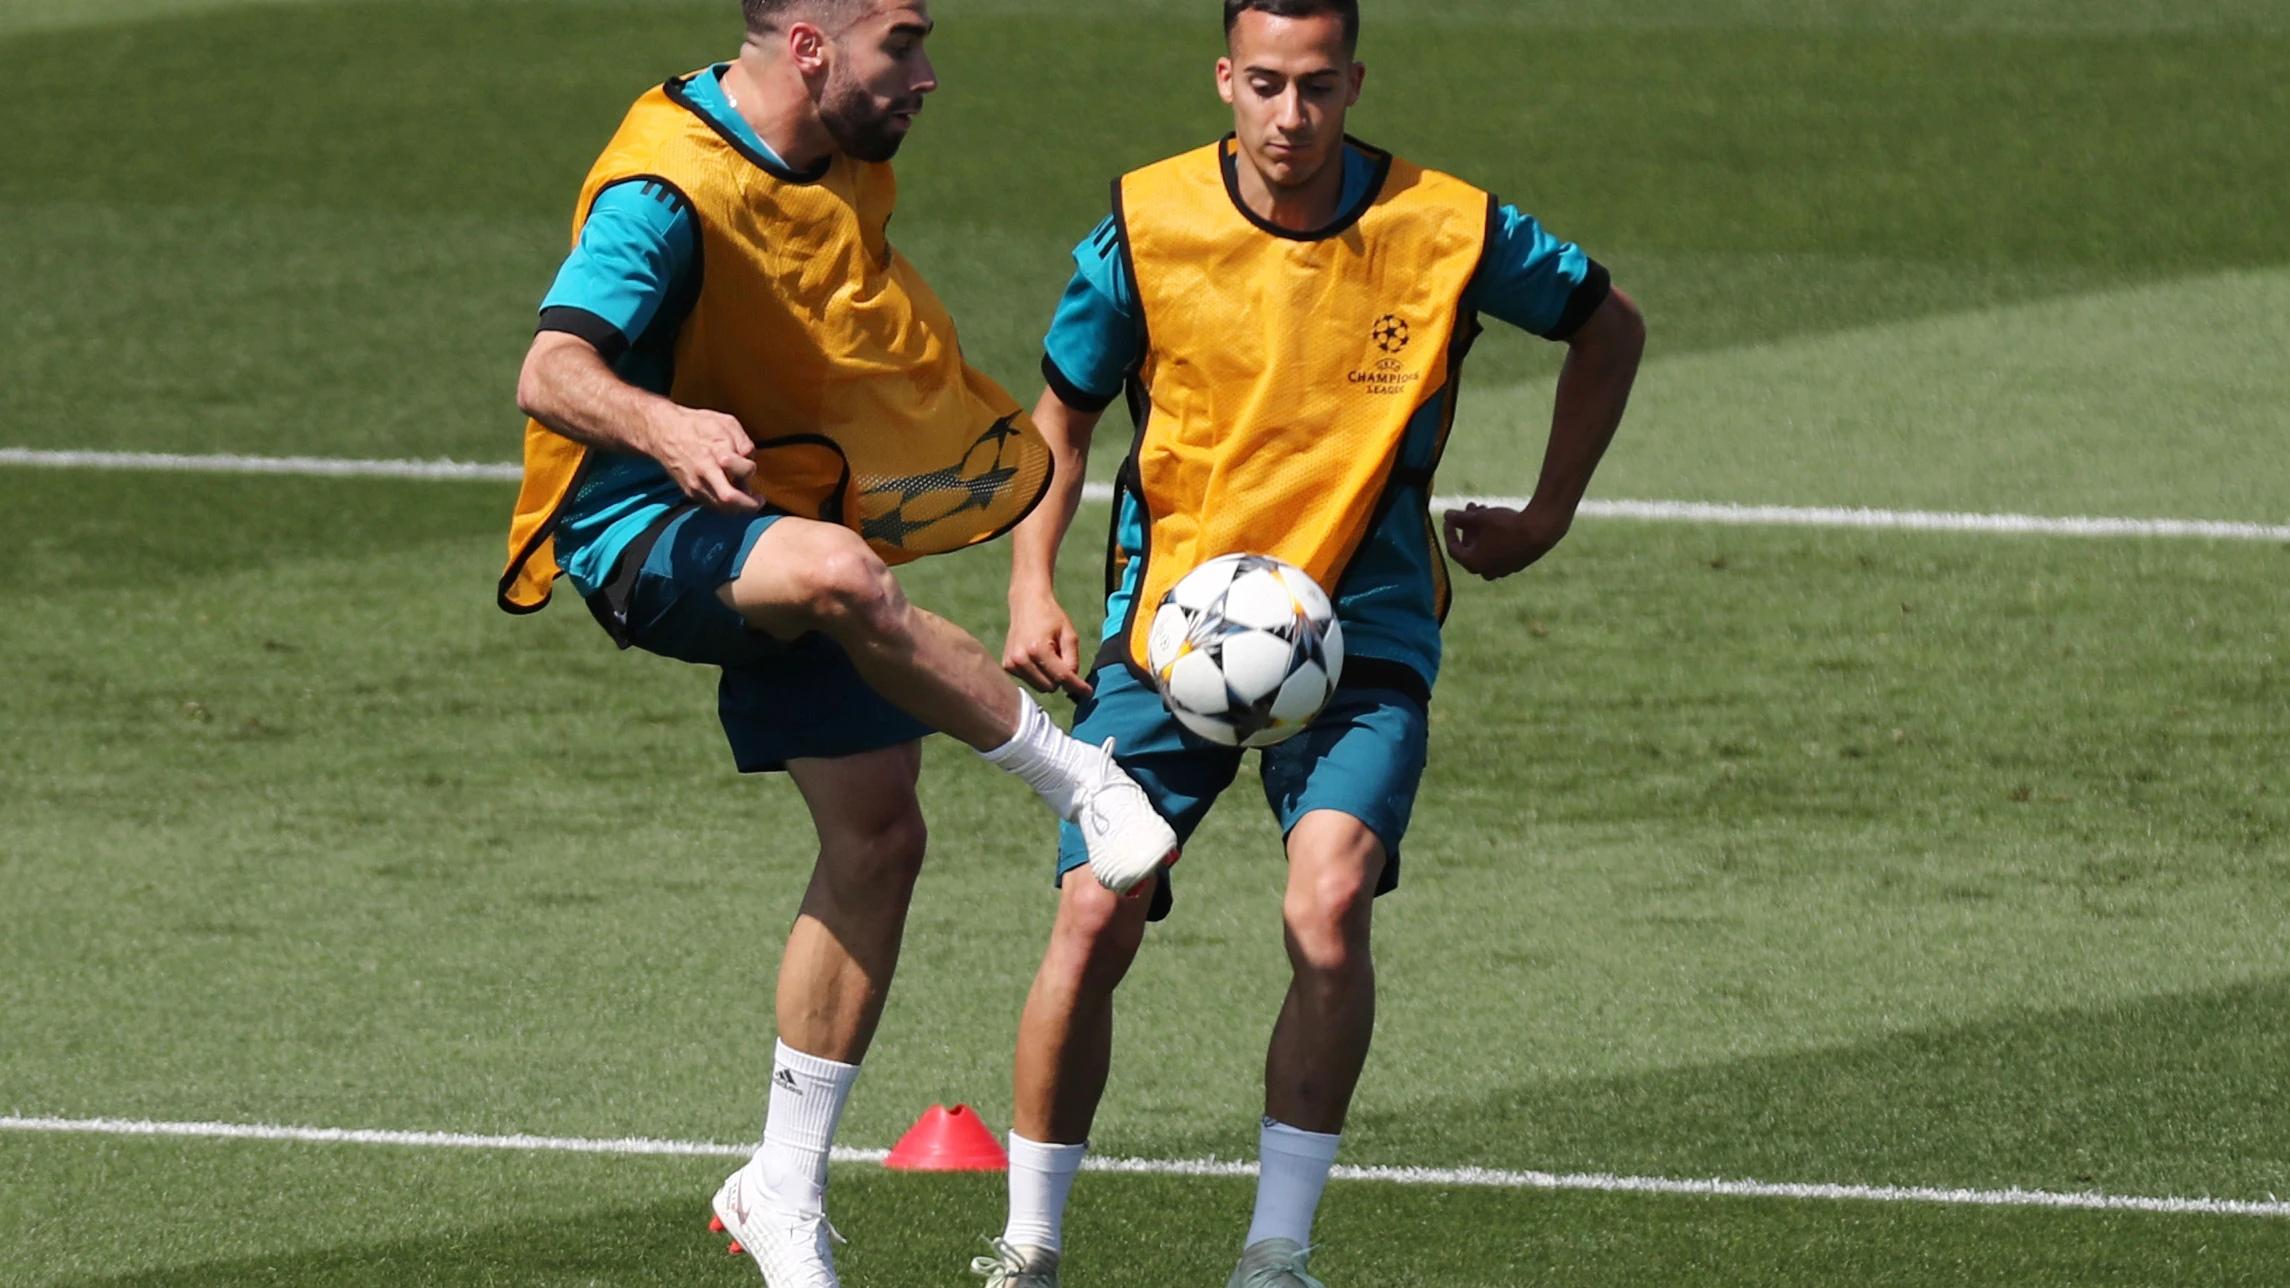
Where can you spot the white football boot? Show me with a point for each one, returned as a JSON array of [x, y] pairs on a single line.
[[1128, 839], [791, 1248], [1275, 1263], [1011, 1267]]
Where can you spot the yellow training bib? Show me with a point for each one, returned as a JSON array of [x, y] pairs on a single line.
[[824, 342], [1282, 370]]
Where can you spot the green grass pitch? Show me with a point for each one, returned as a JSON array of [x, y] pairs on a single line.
[[1867, 858]]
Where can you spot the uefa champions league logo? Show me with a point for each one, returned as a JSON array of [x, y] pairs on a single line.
[[1388, 375]]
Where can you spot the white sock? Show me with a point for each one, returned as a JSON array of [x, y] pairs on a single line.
[[807, 1099], [1041, 1179], [1294, 1170], [1046, 758]]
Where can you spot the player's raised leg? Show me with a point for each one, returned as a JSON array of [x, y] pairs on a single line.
[[833, 979], [804, 576]]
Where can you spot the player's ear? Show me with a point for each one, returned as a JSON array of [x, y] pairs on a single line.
[[807, 45], [1359, 82], [1224, 80]]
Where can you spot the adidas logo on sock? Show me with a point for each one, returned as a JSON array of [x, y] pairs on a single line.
[[786, 1078]]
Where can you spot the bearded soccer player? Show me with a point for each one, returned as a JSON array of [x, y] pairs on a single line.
[[746, 407], [1288, 310]]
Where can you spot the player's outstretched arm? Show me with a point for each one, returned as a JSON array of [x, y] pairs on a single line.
[[1593, 392], [567, 386], [1043, 648]]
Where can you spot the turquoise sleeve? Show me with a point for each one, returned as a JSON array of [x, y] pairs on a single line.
[[1534, 281], [1094, 343], [638, 250]]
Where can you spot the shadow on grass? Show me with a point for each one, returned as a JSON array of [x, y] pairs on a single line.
[[920, 1232], [2178, 1094], [658, 1244]]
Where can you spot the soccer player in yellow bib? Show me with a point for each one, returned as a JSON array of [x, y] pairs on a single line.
[[747, 407], [1288, 310]]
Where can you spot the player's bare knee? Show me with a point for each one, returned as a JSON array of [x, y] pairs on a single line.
[[851, 591], [1328, 926], [1098, 932], [865, 858], [899, 842], [1333, 897]]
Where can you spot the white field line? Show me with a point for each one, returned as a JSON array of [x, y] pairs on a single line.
[[304, 466], [1913, 520], [1644, 511], [1473, 1177]]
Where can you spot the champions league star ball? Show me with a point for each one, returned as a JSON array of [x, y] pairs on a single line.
[[1246, 650]]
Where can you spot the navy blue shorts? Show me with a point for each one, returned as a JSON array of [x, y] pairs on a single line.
[[778, 701], [1363, 756]]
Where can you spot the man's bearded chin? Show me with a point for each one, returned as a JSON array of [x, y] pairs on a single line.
[[860, 128]]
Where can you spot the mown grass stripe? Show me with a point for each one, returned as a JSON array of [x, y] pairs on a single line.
[[1722, 513], [1472, 1177]]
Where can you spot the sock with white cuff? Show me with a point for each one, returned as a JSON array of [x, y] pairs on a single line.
[[1046, 758], [807, 1099], [1041, 1180], [1293, 1170]]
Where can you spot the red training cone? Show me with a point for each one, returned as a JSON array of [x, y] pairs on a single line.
[[948, 1140]]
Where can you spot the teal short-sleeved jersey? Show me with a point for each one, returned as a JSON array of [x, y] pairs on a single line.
[[627, 288], [1388, 600]]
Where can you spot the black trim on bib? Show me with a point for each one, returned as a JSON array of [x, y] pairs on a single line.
[[769, 165], [1129, 266], [1025, 512], [547, 530], [1130, 480], [1129, 484], [833, 509], [1228, 161], [1467, 333]]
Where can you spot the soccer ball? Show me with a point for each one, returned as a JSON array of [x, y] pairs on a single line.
[[1246, 650]]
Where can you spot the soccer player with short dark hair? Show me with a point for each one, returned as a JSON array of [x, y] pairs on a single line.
[[1288, 311], [747, 406]]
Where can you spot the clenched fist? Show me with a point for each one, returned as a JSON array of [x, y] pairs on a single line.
[[1495, 543]]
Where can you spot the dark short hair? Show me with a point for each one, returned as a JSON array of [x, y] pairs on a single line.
[[1348, 10], [764, 15]]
